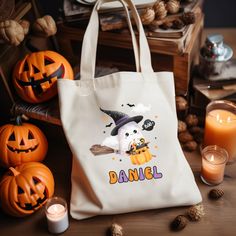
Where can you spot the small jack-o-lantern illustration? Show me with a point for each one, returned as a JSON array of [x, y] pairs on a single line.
[[35, 76], [20, 143], [26, 188], [139, 153]]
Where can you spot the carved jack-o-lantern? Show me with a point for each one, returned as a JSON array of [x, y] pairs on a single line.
[[26, 188], [20, 143], [36, 75]]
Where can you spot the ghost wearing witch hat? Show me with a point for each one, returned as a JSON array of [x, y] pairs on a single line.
[[126, 133]]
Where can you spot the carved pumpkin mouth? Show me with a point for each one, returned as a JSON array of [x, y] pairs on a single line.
[[29, 206], [22, 150], [36, 84]]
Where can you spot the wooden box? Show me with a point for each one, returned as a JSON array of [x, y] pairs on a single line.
[[115, 49]]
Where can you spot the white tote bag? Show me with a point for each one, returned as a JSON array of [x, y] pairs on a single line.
[[122, 131]]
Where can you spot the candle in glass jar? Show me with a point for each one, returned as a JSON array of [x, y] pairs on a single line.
[[214, 159], [57, 215], [220, 130]]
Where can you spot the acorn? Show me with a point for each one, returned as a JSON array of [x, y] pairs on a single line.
[[181, 126], [191, 120], [147, 16], [172, 6], [160, 10], [195, 213], [216, 193], [179, 223], [116, 230]]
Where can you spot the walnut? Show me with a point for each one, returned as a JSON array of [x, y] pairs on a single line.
[[190, 146], [179, 223], [160, 10], [181, 126], [44, 26], [11, 32], [25, 25], [185, 137], [148, 16], [172, 6], [191, 120], [181, 103]]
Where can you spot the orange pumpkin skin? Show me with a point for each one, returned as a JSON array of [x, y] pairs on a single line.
[[26, 188], [35, 76], [20, 143]]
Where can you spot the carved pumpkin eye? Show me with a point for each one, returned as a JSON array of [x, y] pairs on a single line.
[[30, 135], [12, 137], [48, 61], [36, 180], [36, 70], [32, 192], [20, 190], [26, 66]]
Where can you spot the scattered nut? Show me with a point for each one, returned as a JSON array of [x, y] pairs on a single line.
[[116, 230], [195, 213], [166, 25], [181, 126], [191, 120], [160, 10], [190, 146], [185, 137], [216, 193], [172, 6], [181, 103], [178, 24], [148, 16], [179, 223], [198, 133], [188, 18]]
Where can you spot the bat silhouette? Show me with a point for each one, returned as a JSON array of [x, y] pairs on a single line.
[[109, 125], [130, 105]]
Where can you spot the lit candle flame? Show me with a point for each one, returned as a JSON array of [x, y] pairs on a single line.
[[212, 158], [229, 119]]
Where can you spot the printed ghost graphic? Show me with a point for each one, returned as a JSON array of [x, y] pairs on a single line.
[[127, 139]]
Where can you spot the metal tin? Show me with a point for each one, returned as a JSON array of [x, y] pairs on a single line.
[[214, 55]]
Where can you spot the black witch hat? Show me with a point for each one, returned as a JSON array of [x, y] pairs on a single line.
[[120, 119]]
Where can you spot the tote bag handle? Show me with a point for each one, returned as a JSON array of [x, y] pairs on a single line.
[[89, 46]]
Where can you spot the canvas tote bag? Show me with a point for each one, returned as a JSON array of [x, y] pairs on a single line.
[[122, 131]]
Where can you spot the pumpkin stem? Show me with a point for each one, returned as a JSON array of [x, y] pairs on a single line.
[[14, 171], [18, 121]]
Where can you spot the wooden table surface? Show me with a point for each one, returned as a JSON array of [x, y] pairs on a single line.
[[220, 217]]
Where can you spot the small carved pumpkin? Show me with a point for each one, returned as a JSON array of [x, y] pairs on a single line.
[[20, 143], [26, 188], [35, 76]]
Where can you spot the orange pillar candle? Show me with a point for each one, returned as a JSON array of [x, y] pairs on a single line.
[[220, 126], [214, 159]]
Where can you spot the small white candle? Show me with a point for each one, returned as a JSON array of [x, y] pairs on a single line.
[[57, 215]]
